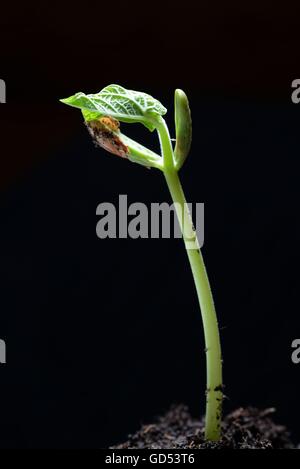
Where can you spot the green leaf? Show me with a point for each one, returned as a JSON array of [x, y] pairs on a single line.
[[122, 104], [183, 125], [90, 115]]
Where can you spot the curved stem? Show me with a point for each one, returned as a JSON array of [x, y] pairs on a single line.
[[165, 144], [209, 318]]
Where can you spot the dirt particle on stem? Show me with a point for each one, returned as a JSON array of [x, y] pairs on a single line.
[[219, 388]]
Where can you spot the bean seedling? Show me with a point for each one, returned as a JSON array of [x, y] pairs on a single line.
[[102, 113]]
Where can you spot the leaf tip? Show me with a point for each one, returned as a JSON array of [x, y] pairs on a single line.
[[180, 95], [65, 100]]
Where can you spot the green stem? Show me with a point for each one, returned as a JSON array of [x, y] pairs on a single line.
[[209, 318]]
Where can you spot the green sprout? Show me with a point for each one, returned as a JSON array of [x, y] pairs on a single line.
[[102, 114]]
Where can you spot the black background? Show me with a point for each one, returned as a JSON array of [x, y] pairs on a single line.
[[104, 335]]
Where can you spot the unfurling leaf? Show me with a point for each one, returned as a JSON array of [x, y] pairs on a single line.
[[119, 103], [183, 125]]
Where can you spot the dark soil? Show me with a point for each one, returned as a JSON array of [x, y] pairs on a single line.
[[242, 429]]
